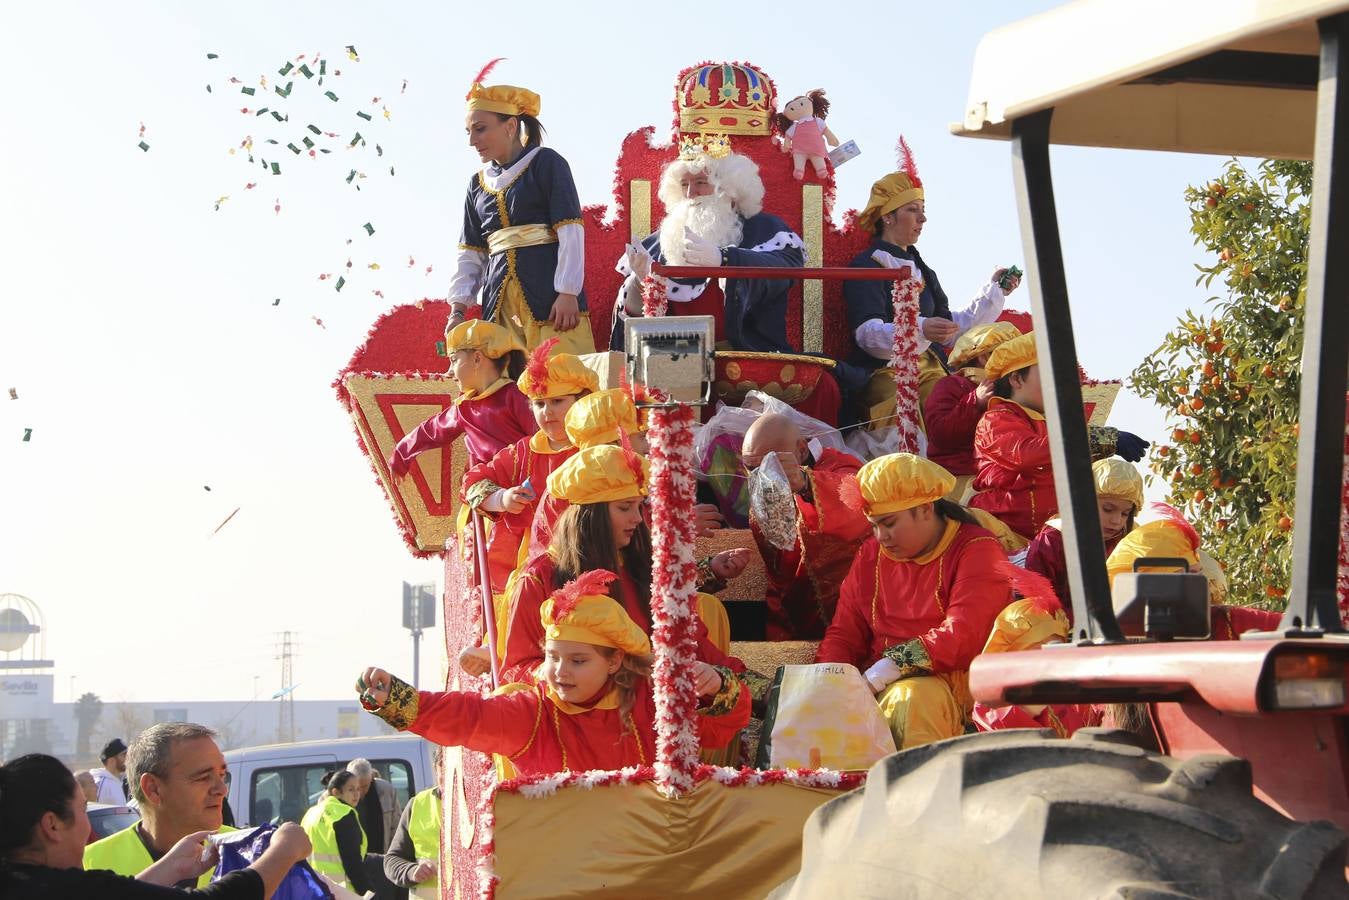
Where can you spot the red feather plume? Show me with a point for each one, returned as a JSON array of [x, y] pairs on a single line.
[[537, 367], [905, 160], [588, 584], [1031, 585], [630, 456], [1162, 512], [483, 73], [850, 493]]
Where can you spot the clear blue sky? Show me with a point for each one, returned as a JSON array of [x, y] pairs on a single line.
[[137, 322]]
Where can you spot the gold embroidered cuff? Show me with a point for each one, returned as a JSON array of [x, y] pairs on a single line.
[[476, 493], [707, 581], [724, 700], [911, 657], [400, 710], [1102, 439]]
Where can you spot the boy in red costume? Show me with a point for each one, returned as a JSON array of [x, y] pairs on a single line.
[[803, 582], [593, 708], [920, 600], [490, 412]]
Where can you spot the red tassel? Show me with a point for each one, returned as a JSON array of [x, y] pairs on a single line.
[[537, 367], [1031, 585], [630, 456], [906, 163], [483, 73], [851, 494], [594, 583]]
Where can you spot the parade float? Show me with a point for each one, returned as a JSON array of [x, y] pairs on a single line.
[[683, 828]]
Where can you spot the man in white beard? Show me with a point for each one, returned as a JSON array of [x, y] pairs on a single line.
[[714, 217]]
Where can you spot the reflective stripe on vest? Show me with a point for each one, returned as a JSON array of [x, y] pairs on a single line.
[[319, 823], [424, 828]]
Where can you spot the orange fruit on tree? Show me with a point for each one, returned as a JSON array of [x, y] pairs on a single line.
[[1285, 524], [1199, 495], [1197, 404], [1196, 437]]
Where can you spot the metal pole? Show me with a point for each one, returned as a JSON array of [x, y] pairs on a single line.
[[485, 583], [416, 657], [1056, 351], [1325, 351]]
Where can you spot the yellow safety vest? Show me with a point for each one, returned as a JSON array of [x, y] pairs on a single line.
[[424, 828], [319, 824], [125, 854]]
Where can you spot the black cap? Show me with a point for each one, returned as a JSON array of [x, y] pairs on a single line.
[[112, 748]]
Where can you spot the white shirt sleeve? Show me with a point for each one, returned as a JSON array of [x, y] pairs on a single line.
[[571, 259], [468, 275], [984, 308], [877, 338]]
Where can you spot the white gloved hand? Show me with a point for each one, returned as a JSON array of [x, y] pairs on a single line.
[[881, 674], [890, 261], [699, 251], [639, 261]]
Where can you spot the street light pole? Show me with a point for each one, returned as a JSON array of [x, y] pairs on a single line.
[[419, 612]]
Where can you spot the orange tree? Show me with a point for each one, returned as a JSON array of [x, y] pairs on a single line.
[[1229, 378]]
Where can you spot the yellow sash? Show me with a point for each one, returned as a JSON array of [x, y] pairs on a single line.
[[513, 237]]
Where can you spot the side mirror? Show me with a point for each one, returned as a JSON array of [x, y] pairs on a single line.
[[672, 358], [1162, 605]]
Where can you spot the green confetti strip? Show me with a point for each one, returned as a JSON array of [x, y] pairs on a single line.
[[323, 67], [213, 56], [293, 149], [308, 144], [340, 281], [272, 141], [285, 70], [247, 90], [390, 170], [356, 140], [276, 168], [276, 302], [143, 145], [440, 348], [365, 116], [324, 150], [369, 229], [27, 435], [379, 151], [280, 118], [208, 89], [262, 111], [351, 176], [330, 95], [306, 71], [315, 129]]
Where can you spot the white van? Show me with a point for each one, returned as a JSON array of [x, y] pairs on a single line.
[[278, 782]]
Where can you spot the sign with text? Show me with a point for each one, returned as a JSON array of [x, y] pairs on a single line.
[[26, 696]]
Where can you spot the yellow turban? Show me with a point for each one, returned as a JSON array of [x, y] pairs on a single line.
[[1168, 536], [1011, 356], [980, 340], [598, 418], [888, 194], [600, 474], [901, 481], [506, 99], [1117, 479], [488, 338], [548, 376], [582, 612], [1025, 625]]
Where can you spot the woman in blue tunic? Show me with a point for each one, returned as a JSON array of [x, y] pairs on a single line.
[[523, 244]]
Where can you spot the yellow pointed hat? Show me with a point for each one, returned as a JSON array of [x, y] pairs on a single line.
[[1011, 356], [901, 481], [1118, 479], [599, 417], [979, 340], [600, 474], [506, 99], [547, 376], [581, 611], [892, 191], [1165, 533], [488, 338]]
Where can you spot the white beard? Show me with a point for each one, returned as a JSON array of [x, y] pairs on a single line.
[[712, 218]]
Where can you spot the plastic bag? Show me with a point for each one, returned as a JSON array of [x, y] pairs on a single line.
[[773, 503], [822, 716], [238, 849]]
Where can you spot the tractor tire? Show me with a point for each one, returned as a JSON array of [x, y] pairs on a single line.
[[1022, 814]]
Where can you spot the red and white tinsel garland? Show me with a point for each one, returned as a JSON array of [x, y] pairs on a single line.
[[908, 288], [674, 574], [655, 298]]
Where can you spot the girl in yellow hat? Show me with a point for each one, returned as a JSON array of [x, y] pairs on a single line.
[[490, 412], [920, 600], [1119, 498], [592, 709], [522, 244], [602, 528], [894, 217]]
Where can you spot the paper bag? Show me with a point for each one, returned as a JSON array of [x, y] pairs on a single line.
[[822, 716]]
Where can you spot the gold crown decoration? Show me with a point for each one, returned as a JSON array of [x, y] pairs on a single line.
[[697, 146], [724, 98]]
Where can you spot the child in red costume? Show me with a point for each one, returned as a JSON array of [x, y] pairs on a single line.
[[920, 600], [1119, 498], [602, 528], [1015, 480], [957, 402], [593, 709], [506, 487], [490, 412], [803, 581]]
